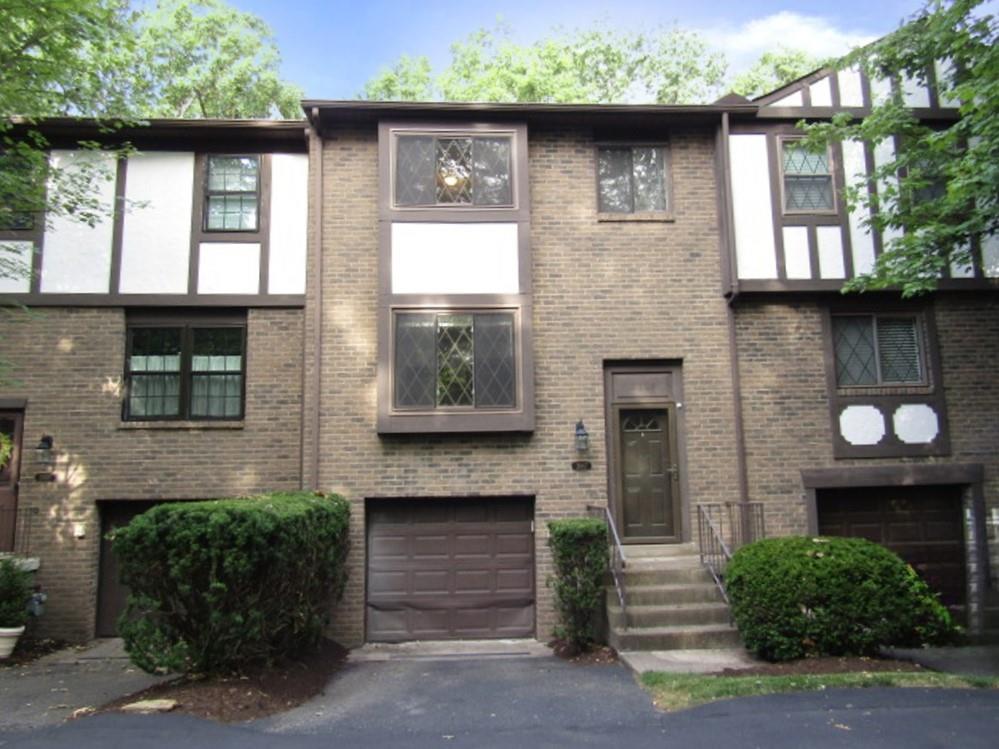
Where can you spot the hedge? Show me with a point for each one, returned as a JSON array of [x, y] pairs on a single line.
[[579, 553], [15, 591], [794, 597], [220, 585]]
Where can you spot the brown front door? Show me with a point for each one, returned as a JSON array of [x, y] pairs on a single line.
[[111, 594], [649, 510], [10, 426]]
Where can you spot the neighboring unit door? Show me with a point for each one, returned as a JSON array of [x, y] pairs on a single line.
[[111, 594], [10, 426], [648, 475], [450, 569]]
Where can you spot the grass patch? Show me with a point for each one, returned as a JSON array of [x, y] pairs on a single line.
[[679, 691]]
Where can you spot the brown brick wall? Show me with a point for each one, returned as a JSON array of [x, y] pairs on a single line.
[[68, 364], [601, 291]]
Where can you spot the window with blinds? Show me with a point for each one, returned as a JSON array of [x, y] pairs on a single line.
[[874, 350]]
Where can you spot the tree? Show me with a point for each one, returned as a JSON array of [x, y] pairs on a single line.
[[203, 58], [591, 65], [937, 198], [774, 69]]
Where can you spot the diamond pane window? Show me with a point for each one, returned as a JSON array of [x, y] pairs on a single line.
[[232, 190], [454, 360], [453, 171], [872, 350], [631, 179], [808, 185]]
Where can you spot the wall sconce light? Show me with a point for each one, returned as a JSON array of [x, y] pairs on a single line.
[[582, 437], [44, 455]]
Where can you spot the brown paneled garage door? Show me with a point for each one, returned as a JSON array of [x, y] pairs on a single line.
[[922, 524], [450, 569]]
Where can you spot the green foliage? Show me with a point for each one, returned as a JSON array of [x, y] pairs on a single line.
[[15, 590], [6, 449], [585, 65], [794, 597], [579, 553], [219, 585], [939, 196], [774, 69]]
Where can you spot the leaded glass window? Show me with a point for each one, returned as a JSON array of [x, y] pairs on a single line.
[[631, 179], [232, 187], [454, 360], [874, 350], [185, 371], [453, 171], [808, 183]]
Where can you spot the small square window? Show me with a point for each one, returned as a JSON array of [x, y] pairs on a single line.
[[874, 350], [808, 182], [232, 190], [185, 370], [632, 179], [437, 171]]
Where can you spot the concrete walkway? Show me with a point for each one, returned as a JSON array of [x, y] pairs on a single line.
[[976, 660], [50, 689], [688, 661]]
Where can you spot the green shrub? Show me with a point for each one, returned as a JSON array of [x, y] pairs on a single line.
[[794, 597], [15, 590], [579, 551], [220, 585]]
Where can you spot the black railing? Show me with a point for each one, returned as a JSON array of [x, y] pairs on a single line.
[[16, 528], [724, 527], [617, 558]]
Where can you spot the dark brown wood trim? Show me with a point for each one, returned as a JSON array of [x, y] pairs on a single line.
[[118, 228], [197, 213], [766, 286], [777, 202], [834, 89], [839, 183], [158, 300], [723, 192], [904, 474], [13, 403], [813, 251], [314, 293], [264, 208], [931, 86], [866, 92]]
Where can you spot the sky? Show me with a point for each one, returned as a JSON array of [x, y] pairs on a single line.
[[330, 47]]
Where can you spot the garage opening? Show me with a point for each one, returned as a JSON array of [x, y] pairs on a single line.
[[111, 594], [922, 524], [440, 569]]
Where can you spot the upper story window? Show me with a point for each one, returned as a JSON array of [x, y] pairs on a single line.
[[232, 193], [453, 170], [185, 369], [874, 350], [19, 192], [454, 360], [632, 179], [808, 180]]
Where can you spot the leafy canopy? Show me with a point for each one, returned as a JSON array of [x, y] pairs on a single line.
[[668, 66], [936, 198], [774, 69]]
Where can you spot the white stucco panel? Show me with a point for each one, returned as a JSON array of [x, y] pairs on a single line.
[[15, 272], [944, 70], [798, 263], [861, 241], [229, 268], [916, 423], [821, 93], [831, 263], [791, 100], [862, 425], [914, 93], [752, 209], [990, 256], [289, 223], [851, 90], [77, 257], [455, 258], [156, 231]]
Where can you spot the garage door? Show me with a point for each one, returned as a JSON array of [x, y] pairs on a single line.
[[921, 524], [111, 594], [450, 569]]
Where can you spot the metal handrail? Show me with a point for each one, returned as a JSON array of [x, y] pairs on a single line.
[[718, 540], [618, 560], [715, 553]]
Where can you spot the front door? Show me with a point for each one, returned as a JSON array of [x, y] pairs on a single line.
[[649, 506], [10, 427]]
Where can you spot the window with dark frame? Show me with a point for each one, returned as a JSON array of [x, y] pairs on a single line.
[[454, 360], [632, 179], [453, 170], [232, 193], [875, 350], [808, 179], [185, 370]]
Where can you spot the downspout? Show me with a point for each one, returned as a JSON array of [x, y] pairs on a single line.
[[314, 306]]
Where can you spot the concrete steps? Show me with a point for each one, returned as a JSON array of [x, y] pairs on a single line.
[[672, 603]]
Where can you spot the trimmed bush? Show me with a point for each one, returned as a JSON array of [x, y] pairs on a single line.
[[579, 552], [15, 590], [220, 585], [794, 597]]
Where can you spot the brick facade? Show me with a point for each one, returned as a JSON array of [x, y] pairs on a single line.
[[68, 363]]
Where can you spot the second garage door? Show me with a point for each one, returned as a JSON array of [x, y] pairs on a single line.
[[450, 569], [921, 524]]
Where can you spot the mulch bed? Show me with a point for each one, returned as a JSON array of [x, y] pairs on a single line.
[[31, 648], [255, 694], [598, 655], [824, 665]]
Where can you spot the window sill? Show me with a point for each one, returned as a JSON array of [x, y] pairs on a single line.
[[655, 218], [452, 422], [130, 425]]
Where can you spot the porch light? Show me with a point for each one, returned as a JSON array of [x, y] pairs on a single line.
[[582, 437], [43, 452]]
